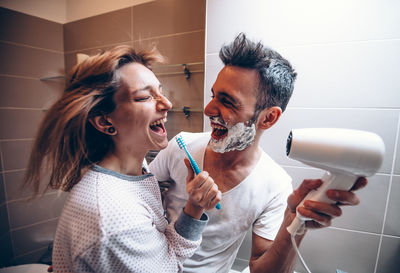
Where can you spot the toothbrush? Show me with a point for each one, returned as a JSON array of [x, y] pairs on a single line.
[[196, 169]]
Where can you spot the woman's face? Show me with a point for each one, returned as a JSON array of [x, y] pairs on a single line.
[[141, 110]]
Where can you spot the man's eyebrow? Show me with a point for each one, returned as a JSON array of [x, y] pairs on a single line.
[[226, 95]]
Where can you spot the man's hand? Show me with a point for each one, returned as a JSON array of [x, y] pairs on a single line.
[[323, 213], [203, 192]]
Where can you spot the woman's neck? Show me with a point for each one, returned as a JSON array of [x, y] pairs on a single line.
[[124, 164]]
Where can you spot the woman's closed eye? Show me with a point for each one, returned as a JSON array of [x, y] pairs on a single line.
[[144, 98]]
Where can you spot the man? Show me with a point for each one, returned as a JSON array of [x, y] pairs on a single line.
[[248, 97]]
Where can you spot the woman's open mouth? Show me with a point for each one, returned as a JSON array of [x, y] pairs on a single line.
[[218, 131], [158, 126]]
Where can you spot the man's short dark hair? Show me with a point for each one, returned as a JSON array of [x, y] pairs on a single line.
[[276, 75]]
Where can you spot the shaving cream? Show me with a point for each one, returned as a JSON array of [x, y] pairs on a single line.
[[239, 137]]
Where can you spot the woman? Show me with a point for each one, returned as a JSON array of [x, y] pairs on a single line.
[[93, 141]]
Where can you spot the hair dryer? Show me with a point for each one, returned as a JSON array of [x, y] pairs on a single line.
[[345, 154]]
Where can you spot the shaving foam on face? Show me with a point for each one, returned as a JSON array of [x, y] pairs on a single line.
[[239, 137]]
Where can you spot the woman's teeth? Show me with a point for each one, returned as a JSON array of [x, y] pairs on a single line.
[[158, 122]]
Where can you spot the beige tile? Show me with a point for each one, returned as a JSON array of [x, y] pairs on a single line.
[[33, 237], [109, 28], [29, 62], [177, 122], [30, 30], [2, 191], [16, 153], [70, 58], [179, 49], [167, 17], [19, 123], [30, 257], [13, 185], [3, 220], [44, 208], [184, 92], [29, 93], [5, 250]]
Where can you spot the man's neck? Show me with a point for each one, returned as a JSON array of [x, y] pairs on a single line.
[[229, 169], [234, 159]]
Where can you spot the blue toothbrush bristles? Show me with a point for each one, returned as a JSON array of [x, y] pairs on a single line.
[[196, 169]]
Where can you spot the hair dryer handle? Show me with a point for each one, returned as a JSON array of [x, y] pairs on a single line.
[[337, 181]]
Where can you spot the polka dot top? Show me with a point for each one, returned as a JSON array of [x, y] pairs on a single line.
[[115, 223]]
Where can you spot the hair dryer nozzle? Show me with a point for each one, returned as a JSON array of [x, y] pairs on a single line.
[[354, 152]]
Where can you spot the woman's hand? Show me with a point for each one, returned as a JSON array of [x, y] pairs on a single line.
[[203, 192]]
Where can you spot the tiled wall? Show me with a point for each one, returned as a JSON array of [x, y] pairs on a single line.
[[32, 48], [346, 54]]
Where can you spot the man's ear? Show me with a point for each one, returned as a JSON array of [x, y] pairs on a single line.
[[102, 124], [268, 117]]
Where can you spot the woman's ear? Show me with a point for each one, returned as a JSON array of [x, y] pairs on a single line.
[[102, 124], [268, 117]]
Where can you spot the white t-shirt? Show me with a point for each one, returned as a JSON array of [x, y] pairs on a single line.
[[113, 222], [258, 202]]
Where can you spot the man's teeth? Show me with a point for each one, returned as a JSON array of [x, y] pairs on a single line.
[[216, 126], [158, 122]]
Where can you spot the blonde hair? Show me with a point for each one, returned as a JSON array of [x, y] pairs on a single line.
[[67, 144]]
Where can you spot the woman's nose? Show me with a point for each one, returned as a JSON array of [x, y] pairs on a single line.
[[163, 104]]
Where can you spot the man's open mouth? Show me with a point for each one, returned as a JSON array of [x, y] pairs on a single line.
[[158, 126], [218, 131]]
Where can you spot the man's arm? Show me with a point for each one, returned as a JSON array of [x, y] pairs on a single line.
[[274, 256], [279, 255]]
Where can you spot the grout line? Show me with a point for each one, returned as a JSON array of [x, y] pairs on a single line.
[[13, 171], [96, 47], [132, 26], [19, 77], [30, 252], [132, 41], [355, 231], [15, 139], [169, 35], [34, 47], [388, 194], [20, 108], [33, 224], [26, 198]]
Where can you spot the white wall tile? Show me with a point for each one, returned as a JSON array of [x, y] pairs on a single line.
[[213, 67], [389, 255], [339, 249], [392, 225], [346, 75], [282, 23], [273, 140]]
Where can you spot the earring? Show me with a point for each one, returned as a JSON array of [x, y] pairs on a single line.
[[111, 130]]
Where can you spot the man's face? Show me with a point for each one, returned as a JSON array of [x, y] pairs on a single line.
[[231, 109]]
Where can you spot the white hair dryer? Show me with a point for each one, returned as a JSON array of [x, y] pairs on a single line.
[[345, 154]]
